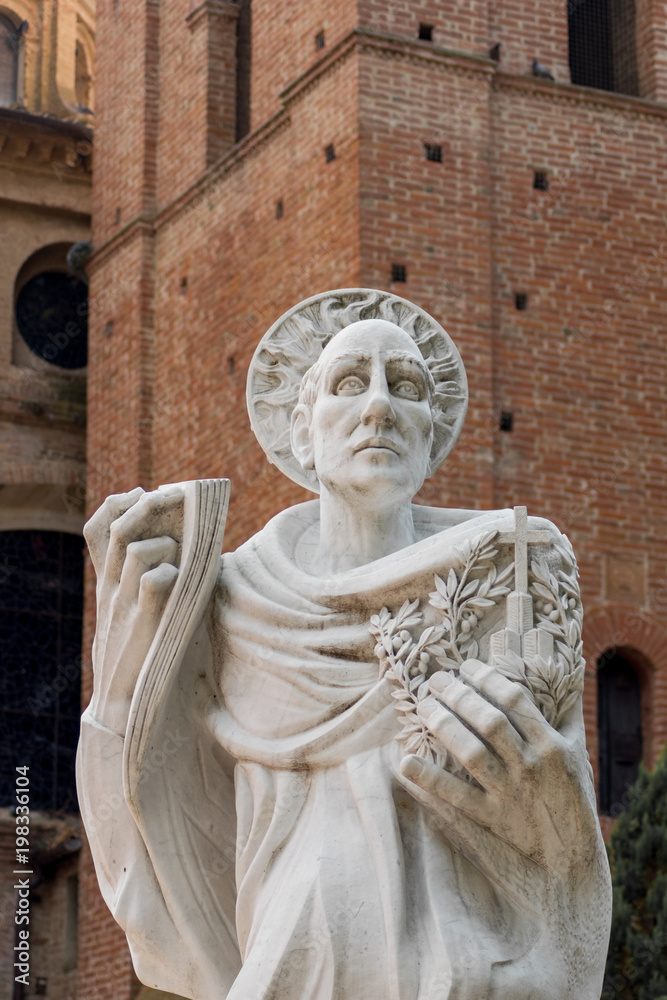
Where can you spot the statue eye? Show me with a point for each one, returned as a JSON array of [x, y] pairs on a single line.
[[350, 385], [406, 389]]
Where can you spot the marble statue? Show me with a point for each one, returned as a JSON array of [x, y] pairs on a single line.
[[347, 760]]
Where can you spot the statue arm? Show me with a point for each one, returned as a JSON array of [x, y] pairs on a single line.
[[525, 811], [136, 827]]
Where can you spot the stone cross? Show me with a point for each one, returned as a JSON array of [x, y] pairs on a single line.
[[519, 636]]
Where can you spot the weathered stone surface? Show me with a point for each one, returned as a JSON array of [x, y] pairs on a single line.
[[348, 759]]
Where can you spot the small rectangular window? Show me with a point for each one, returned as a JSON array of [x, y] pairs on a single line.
[[433, 152], [319, 40], [399, 272], [521, 301], [540, 181], [329, 153], [425, 32]]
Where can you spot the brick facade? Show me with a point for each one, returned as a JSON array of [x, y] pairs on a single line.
[[193, 263]]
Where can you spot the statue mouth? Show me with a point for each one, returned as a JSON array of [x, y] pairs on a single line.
[[378, 443]]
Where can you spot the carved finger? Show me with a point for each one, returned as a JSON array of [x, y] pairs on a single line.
[[154, 589], [425, 780], [154, 515], [141, 557], [510, 698], [96, 531], [486, 721], [465, 746]]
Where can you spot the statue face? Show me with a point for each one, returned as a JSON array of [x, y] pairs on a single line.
[[371, 426]]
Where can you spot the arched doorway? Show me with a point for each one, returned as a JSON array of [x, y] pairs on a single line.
[[619, 728]]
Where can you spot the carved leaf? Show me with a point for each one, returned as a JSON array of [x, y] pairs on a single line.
[[542, 591], [473, 650], [414, 743], [507, 572], [480, 603], [512, 664], [452, 583], [551, 627], [469, 589], [448, 664], [568, 702]]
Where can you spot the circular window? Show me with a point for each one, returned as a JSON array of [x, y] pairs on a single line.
[[52, 318]]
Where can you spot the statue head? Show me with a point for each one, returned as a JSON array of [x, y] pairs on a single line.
[[364, 419], [288, 372]]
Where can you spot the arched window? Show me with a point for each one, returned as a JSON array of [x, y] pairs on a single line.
[[603, 51], [84, 78], [9, 61], [620, 729], [41, 607]]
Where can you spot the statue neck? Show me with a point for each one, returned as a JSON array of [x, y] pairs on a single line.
[[352, 536]]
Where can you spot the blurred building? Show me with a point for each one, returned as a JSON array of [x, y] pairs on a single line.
[[46, 100]]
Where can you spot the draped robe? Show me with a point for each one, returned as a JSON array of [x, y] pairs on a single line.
[[271, 851]]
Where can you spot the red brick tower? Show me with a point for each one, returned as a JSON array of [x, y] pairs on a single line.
[[249, 156]]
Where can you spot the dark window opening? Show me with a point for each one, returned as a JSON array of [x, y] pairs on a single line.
[[52, 318], [280, 209], [602, 45], [433, 152], [399, 272], [494, 52], [540, 181], [9, 60], [425, 32], [506, 421], [319, 40], [329, 153], [521, 301], [41, 608], [620, 730], [243, 58]]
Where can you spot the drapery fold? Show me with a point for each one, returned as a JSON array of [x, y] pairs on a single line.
[[305, 870]]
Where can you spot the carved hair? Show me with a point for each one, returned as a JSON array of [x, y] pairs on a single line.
[[293, 346]]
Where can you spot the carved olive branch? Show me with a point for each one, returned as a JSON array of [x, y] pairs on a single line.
[[463, 601]]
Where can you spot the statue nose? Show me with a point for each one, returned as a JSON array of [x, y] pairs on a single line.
[[378, 408]]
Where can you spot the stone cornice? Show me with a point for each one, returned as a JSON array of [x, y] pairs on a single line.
[[570, 93], [20, 120], [39, 139]]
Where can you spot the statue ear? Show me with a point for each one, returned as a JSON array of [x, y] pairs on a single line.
[[302, 447]]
